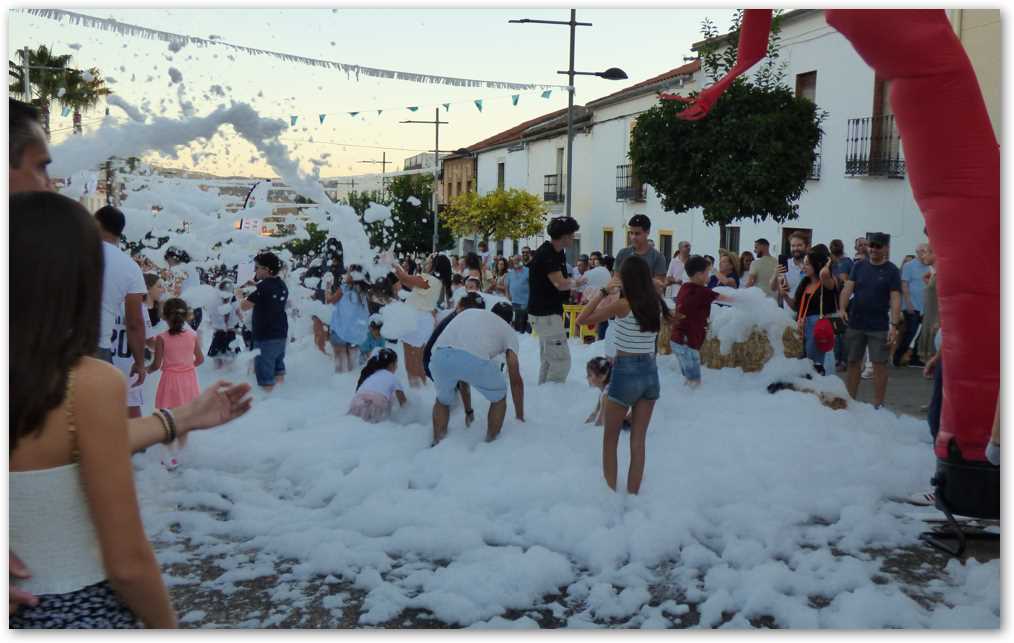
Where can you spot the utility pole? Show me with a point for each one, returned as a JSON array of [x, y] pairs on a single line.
[[27, 84], [436, 167], [383, 172]]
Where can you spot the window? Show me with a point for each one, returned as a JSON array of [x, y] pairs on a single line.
[[665, 243], [787, 232], [499, 248], [469, 186], [806, 86], [467, 245], [730, 239], [459, 187], [607, 241], [500, 176], [559, 160]]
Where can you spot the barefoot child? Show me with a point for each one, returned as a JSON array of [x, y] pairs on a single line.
[[177, 355], [377, 388], [693, 308], [348, 318]]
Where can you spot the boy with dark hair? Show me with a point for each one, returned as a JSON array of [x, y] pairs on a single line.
[[693, 308], [270, 322]]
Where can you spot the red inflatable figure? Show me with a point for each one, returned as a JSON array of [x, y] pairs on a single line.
[[954, 169]]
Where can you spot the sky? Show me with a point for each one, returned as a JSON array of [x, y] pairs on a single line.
[[460, 42]]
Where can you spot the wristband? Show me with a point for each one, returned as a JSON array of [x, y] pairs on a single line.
[[165, 427], [172, 423]]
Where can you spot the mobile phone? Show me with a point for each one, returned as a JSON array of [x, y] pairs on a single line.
[[784, 261]]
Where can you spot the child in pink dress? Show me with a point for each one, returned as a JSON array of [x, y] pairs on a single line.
[[178, 354]]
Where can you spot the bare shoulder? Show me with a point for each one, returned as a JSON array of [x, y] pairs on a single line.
[[99, 384]]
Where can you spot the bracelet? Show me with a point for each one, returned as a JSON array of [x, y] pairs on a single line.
[[165, 426], [172, 423]]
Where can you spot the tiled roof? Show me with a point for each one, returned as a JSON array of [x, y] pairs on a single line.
[[513, 133], [683, 70]]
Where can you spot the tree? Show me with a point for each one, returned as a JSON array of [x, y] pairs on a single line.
[[748, 159], [84, 91], [503, 214], [410, 228]]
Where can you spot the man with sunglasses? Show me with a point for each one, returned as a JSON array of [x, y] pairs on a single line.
[[874, 317]]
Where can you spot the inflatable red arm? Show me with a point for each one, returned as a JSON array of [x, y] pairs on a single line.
[[954, 168]]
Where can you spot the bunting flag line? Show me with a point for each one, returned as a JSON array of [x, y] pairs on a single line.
[[322, 118], [447, 107], [412, 109], [293, 119], [514, 98], [478, 103], [354, 114], [350, 70], [547, 93]]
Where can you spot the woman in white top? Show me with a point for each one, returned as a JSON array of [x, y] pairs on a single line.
[[637, 317], [74, 515], [427, 291]]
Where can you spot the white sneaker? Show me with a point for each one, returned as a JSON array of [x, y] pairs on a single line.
[[867, 373], [923, 499]]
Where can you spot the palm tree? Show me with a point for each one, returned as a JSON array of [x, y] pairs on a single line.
[[84, 91], [47, 76]]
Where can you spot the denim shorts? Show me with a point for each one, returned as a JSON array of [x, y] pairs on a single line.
[[271, 361], [690, 361], [451, 365], [634, 377]]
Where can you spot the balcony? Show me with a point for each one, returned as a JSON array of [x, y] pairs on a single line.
[[552, 188], [815, 168], [873, 148], [628, 187]]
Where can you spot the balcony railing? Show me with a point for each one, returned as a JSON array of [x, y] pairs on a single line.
[[815, 168], [628, 188], [553, 188], [873, 148]]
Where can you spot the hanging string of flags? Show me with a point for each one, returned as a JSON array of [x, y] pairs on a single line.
[[478, 103], [177, 41]]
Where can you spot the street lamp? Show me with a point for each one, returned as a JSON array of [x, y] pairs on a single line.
[[436, 167], [613, 73]]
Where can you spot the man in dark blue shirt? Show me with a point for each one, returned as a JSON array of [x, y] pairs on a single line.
[[874, 315], [270, 322]]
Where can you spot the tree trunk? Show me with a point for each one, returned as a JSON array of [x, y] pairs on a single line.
[[77, 120]]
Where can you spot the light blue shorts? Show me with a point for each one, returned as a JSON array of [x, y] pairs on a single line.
[[451, 365], [689, 359]]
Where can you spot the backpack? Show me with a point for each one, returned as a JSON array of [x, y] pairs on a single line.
[[428, 350]]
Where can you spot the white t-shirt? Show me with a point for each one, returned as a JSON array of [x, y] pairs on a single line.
[[794, 275], [383, 382], [120, 277], [122, 358], [425, 299], [676, 271], [218, 312], [480, 333]]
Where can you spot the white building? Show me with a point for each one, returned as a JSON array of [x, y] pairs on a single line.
[[842, 200]]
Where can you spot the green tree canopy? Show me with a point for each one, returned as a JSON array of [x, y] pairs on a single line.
[[503, 214], [410, 228]]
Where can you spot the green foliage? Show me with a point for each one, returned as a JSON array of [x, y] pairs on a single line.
[[748, 159], [503, 214], [410, 229], [301, 247], [78, 93]]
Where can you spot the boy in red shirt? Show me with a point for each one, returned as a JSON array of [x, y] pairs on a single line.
[[693, 305]]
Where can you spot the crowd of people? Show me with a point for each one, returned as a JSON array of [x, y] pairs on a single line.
[[82, 355]]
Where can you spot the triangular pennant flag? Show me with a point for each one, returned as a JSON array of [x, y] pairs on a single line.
[[411, 109], [379, 112], [478, 104], [514, 98], [447, 107], [293, 119], [353, 114], [547, 93], [322, 118], [65, 112]]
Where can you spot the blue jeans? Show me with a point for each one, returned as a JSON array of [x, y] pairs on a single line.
[[271, 361], [810, 345], [452, 365], [634, 378], [689, 359]]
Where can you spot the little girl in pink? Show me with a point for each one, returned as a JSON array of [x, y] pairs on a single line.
[[178, 354]]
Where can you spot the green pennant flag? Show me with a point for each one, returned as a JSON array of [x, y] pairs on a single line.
[[379, 112], [322, 118], [447, 107], [478, 104], [353, 114], [547, 93], [412, 109], [293, 119], [514, 98]]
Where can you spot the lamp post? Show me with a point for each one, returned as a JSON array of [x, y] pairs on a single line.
[[613, 73], [436, 167]]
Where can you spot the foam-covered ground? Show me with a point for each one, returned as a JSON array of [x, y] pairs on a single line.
[[753, 505]]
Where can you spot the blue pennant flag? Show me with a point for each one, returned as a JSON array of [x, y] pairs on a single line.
[[412, 109], [66, 112], [293, 119], [447, 107], [478, 104], [514, 98], [322, 118], [547, 93], [353, 114]]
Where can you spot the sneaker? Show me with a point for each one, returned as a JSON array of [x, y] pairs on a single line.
[[867, 374], [171, 464], [923, 499]]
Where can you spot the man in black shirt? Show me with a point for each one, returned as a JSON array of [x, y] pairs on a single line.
[[270, 322], [549, 289]]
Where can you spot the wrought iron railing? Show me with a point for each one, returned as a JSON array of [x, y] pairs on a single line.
[[873, 148], [628, 188], [553, 188], [815, 168]]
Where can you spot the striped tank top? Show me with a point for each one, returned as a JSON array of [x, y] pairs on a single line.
[[629, 337]]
